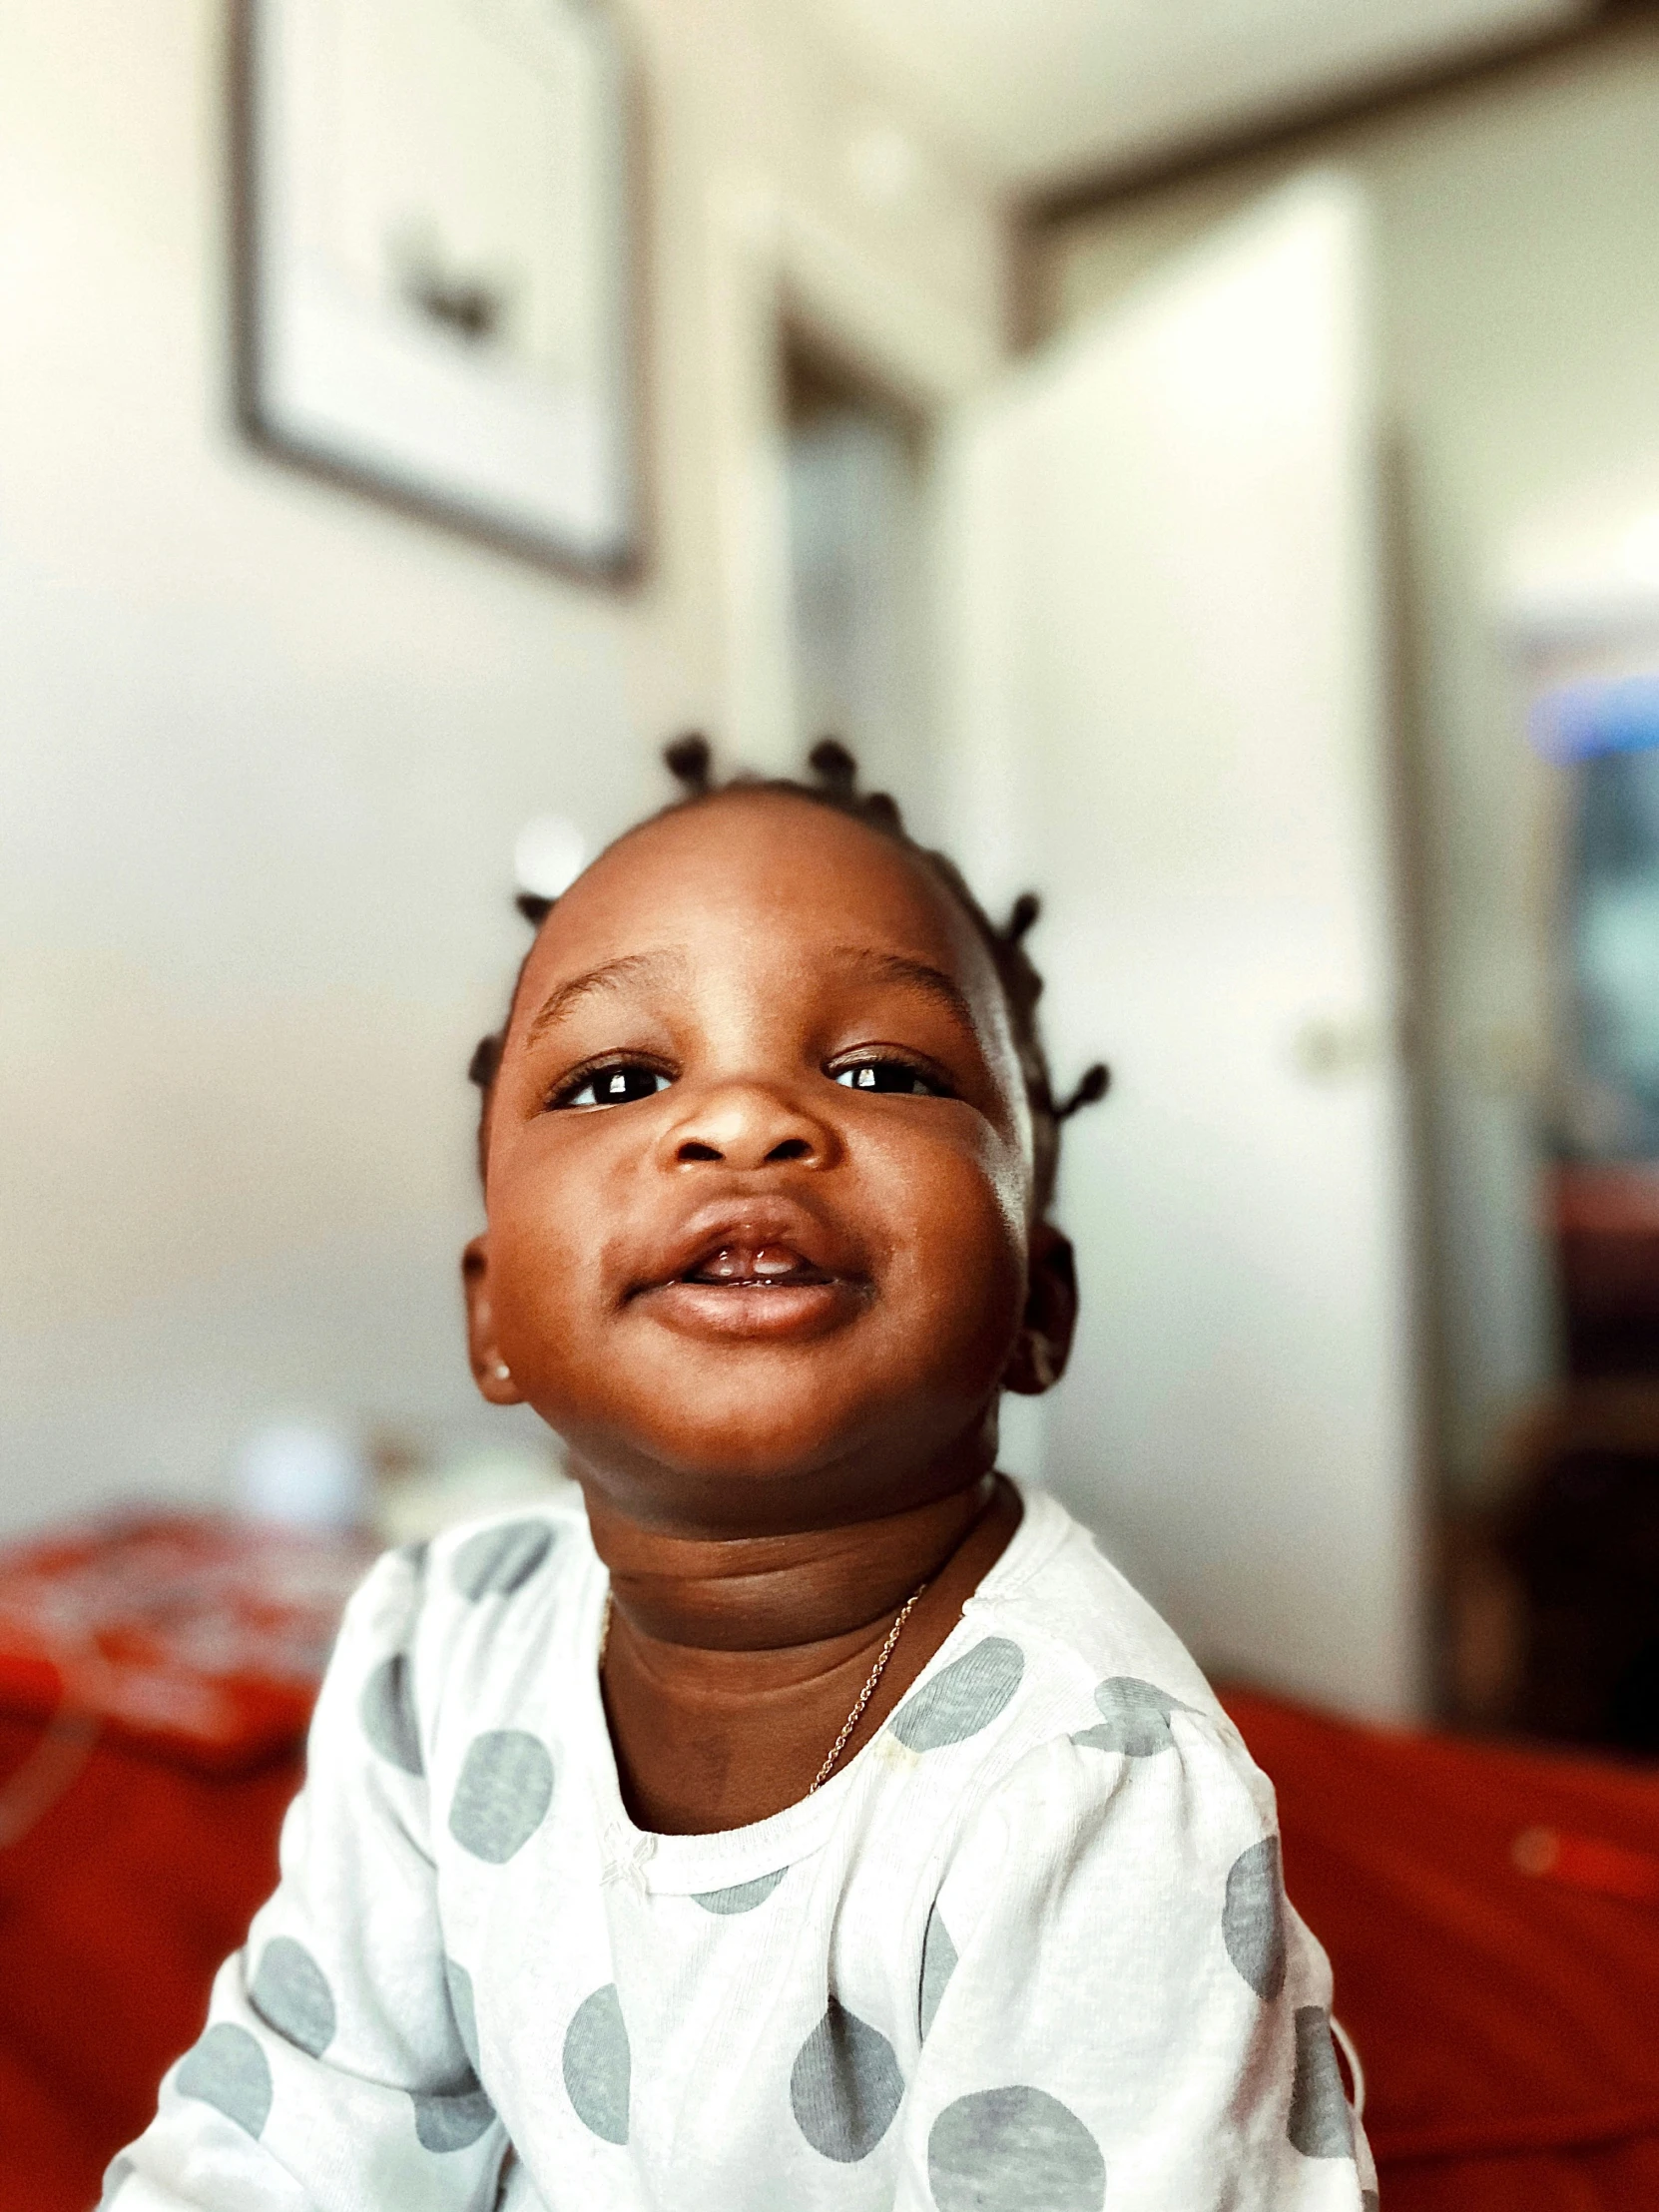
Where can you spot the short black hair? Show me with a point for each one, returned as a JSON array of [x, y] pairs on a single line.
[[836, 784]]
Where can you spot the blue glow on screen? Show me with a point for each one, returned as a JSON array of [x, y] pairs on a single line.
[[1576, 722]]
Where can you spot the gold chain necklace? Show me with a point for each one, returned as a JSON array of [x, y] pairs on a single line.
[[869, 1690], [862, 1698]]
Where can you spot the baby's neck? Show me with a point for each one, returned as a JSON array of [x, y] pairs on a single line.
[[733, 1662], [777, 1595]]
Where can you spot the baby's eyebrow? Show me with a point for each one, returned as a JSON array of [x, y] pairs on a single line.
[[903, 968], [632, 967]]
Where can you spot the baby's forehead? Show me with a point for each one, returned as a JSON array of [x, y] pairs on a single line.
[[809, 876]]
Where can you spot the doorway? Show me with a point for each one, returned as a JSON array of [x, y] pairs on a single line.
[[860, 558], [1578, 1528]]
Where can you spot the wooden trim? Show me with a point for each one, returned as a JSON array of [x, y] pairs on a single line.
[[1285, 128]]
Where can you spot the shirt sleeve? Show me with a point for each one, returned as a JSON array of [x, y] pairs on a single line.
[[338, 2066], [1117, 2006]]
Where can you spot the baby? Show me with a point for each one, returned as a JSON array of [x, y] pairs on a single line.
[[819, 1820]]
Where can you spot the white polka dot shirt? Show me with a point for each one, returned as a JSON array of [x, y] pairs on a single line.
[[1028, 1952]]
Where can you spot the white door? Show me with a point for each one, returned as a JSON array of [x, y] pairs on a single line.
[[1164, 682]]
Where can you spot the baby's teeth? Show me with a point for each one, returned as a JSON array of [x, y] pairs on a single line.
[[743, 1264]]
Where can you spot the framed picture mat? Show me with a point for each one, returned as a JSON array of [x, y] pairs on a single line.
[[495, 397]]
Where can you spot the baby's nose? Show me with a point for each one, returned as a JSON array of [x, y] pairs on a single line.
[[750, 1125]]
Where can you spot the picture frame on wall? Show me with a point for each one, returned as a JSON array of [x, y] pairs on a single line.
[[434, 267]]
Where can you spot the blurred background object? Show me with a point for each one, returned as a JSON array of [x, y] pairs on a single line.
[[418, 1502], [548, 855], [304, 1474], [1205, 461], [434, 262], [1167, 672]]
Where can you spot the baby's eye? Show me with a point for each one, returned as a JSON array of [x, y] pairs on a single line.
[[898, 1076], [617, 1085]]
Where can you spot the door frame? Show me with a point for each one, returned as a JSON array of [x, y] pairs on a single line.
[[774, 267]]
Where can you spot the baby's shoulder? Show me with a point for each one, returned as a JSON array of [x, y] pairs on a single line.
[[532, 1545], [1078, 1621], [1083, 1677], [483, 1592]]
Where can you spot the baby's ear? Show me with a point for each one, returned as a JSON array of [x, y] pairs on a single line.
[[1043, 1345], [489, 1370]]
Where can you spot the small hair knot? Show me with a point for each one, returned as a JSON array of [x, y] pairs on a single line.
[[1089, 1090], [1024, 911], [882, 808], [687, 760], [486, 1058], [534, 908], [834, 765]]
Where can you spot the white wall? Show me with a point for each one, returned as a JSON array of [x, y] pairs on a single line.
[[1518, 294], [263, 744]]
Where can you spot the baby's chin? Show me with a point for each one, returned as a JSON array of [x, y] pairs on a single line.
[[779, 1459]]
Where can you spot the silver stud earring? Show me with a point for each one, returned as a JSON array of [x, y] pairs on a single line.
[[503, 1373]]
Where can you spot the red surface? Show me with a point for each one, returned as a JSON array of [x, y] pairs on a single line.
[[1588, 1862], [201, 1635], [115, 1911], [1509, 2022]]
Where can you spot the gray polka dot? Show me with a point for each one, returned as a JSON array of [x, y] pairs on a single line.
[[1253, 1918], [227, 2069], [452, 2122], [598, 2065], [387, 1712], [846, 2086], [498, 1561], [939, 1964], [966, 1697], [118, 2172], [502, 1797], [1134, 1718], [465, 2011], [744, 1896], [291, 1993], [1322, 2125], [1014, 2150]]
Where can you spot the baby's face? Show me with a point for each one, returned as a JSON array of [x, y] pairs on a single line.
[[758, 1176]]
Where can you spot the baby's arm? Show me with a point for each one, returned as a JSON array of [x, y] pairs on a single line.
[[1117, 2006], [335, 2068]]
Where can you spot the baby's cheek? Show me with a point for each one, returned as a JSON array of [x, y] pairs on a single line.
[[958, 1244], [969, 1183], [541, 1280]]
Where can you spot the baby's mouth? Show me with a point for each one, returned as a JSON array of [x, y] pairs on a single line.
[[737, 1282], [737, 1265]]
